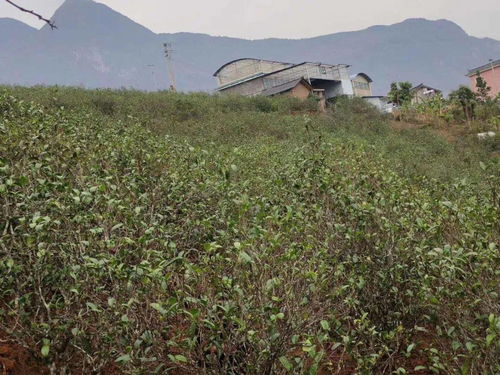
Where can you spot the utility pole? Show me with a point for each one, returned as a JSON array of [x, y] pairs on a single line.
[[153, 82], [168, 54]]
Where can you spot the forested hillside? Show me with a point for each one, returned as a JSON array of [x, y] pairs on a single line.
[[97, 47]]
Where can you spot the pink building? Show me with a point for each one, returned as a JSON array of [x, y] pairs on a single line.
[[490, 73]]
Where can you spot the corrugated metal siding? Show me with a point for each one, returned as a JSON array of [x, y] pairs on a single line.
[[333, 78], [249, 88], [241, 69]]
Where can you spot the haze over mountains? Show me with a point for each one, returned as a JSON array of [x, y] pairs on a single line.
[[94, 46]]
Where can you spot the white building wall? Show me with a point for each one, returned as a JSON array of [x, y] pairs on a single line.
[[347, 87]]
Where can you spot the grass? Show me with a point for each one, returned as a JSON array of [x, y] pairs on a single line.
[[169, 233]]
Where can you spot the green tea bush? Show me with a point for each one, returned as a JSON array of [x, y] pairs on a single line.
[[357, 115], [238, 241]]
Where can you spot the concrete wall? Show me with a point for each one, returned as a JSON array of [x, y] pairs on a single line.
[[421, 95], [300, 91], [380, 103], [492, 78], [347, 87]]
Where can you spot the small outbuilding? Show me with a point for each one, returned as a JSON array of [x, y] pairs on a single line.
[[362, 85], [422, 92], [298, 88]]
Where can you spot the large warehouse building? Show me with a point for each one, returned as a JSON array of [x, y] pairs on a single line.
[[251, 77]]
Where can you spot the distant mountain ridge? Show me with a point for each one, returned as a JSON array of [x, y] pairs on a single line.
[[97, 47]]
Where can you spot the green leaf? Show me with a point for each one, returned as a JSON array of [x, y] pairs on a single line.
[[307, 349], [336, 345], [159, 308], [93, 307], [245, 257], [489, 339], [455, 345], [123, 359], [286, 363], [180, 358], [117, 226], [420, 368], [22, 181], [269, 284], [45, 348], [325, 325], [491, 317], [125, 318], [465, 369]]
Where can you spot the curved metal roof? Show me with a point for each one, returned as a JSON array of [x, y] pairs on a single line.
[[246, 58], [365, 76]]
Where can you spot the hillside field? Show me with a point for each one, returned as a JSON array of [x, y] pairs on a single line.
[[172, 233]]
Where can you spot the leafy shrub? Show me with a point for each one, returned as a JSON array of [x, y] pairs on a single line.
[[105, 106], [155, 240]]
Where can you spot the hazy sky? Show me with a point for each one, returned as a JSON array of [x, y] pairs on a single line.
[[254, 19]]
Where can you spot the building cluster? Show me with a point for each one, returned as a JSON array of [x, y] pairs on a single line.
[[251, 77]]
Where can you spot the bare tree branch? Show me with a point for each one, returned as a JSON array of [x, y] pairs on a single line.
[[39, 16]]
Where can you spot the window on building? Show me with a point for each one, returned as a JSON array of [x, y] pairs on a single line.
[[322, 70], [361, 85]]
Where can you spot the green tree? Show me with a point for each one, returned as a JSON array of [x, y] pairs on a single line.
[[467, 99], [483, 90], [400, 93]]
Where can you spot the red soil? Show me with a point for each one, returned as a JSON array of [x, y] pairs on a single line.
[[16, 360]]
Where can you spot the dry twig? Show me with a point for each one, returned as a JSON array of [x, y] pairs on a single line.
[[39, 16]]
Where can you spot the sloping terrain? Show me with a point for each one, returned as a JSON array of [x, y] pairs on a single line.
[[192, 234]]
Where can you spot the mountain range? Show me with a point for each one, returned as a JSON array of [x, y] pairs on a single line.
[[97, 47]]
